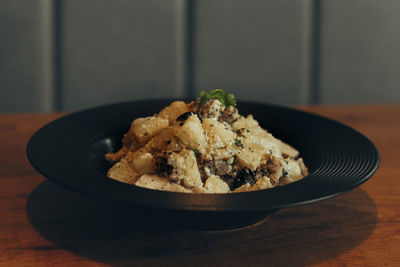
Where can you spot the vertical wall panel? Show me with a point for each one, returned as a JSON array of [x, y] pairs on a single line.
[[25, 56], [360, 59], [257, 49], [117, 51]]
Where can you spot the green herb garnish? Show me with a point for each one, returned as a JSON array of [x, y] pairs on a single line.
[[225, 98], [238, 143]]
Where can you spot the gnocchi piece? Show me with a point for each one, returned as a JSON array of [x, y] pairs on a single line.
[[145, 128], [214, 184], [262, 183], [173, 111], [185, 169], [142, 161], [191, 133], [218, 134], [247, 123], [159, 183], [293, 171], [166, 140], [287, 151], [249, 158], [121, 171]]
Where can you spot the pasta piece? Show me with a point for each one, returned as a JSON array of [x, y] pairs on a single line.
[[215, 185], [145, 128], [159, 183], [121, 171]]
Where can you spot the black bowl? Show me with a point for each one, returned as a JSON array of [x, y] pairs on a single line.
[[70, 151]]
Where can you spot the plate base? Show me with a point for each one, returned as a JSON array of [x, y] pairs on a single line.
[[208, 220]]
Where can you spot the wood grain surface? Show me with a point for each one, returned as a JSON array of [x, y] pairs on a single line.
[[44, 224]]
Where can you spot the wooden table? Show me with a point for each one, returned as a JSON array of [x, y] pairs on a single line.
[[44, 224]]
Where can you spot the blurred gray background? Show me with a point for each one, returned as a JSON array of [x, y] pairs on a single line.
[[73, 54]]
